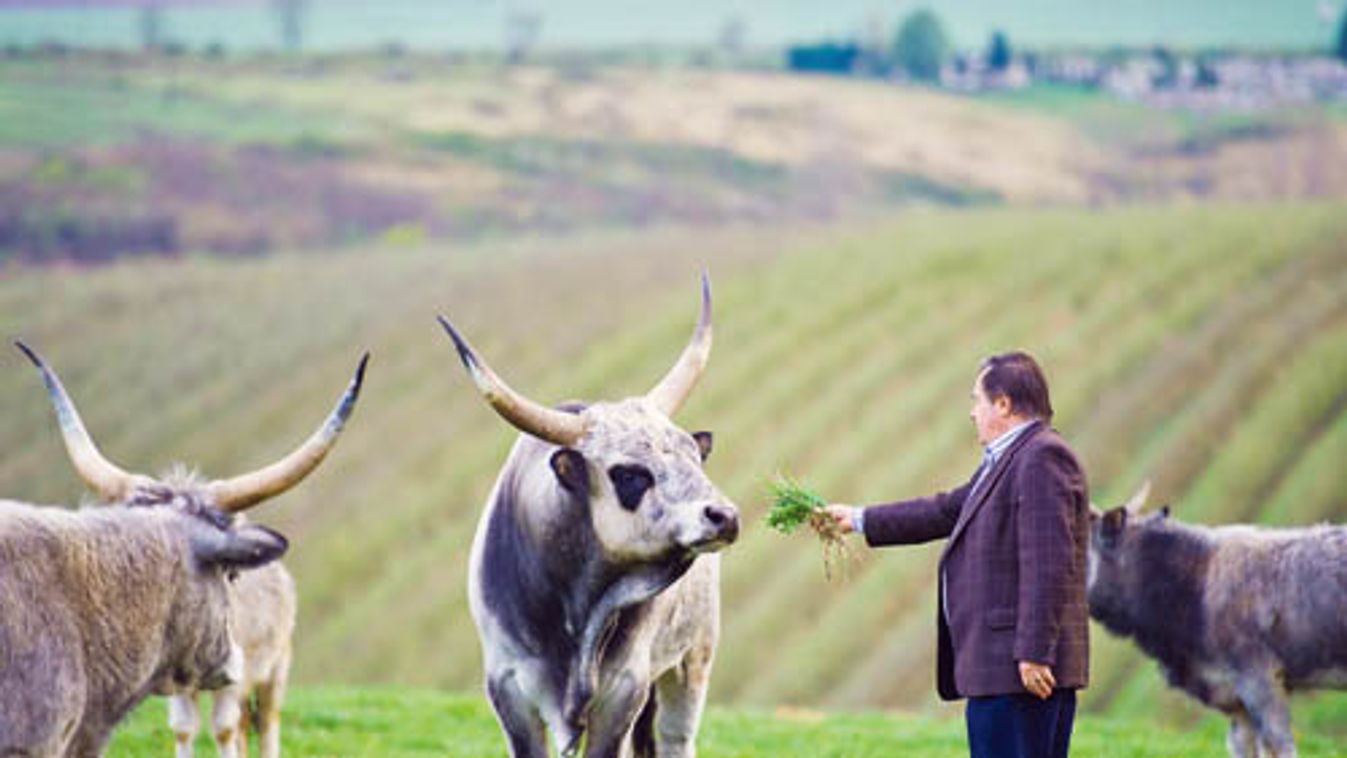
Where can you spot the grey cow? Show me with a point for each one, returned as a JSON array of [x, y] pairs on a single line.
[[263, 603], [1237, 616], [593, 578], [107, 605]]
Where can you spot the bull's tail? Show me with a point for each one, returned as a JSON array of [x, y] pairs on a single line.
[[643, 732]]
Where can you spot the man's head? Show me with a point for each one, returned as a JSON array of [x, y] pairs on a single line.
[[1009, 390]]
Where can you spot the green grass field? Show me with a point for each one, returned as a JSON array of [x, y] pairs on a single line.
[[402, 723], [1201, 347]]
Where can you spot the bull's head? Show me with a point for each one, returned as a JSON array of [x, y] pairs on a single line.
[[641, 474], [205, 518], [1110, 533]]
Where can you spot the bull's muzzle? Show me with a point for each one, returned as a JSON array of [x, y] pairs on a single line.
[[723, 521]]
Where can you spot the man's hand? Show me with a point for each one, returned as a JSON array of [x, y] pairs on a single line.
[[841, 515], [1038, 679]]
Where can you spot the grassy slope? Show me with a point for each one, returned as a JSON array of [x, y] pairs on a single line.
[[398, 723], [1201, 347]]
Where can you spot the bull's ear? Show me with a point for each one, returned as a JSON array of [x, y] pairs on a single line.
[[244, 547], [703, 443], [569, 466]]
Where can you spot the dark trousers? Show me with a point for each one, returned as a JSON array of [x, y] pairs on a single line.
[[1021, 726]]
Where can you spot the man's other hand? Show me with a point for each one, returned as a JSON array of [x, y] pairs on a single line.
[[1038, 679]]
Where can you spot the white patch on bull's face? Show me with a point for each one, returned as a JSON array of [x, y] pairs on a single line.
[[680, 510]]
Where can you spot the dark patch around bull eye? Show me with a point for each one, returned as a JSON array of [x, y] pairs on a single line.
[[630, 483]]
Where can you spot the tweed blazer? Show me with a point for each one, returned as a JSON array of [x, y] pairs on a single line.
[[1012, 575]]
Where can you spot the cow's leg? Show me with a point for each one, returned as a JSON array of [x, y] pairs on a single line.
[[680, 696], [517, 715], [1242, 739], [227, 721], [1265, 701], [270, 697], [614, 714], [185, 720]]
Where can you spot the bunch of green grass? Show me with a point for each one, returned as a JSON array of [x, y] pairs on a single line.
[[794, 505]]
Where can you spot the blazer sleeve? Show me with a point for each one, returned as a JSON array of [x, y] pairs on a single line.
[[908, 522], [1051, 487]]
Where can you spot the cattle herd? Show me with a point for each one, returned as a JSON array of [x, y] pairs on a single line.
[[593, 583]]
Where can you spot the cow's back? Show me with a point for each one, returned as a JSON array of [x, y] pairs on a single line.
[[264, 607], [42, 681], [1282, 593]]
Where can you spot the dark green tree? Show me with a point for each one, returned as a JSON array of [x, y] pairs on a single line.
[[998, 53], [1341, 49], [921, 45]]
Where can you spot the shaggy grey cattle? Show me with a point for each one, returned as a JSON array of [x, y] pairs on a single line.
[[1237, 616], [108, 605], [263, 604], [592, 579]]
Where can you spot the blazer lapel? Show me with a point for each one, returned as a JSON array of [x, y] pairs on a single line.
[[978, 496]]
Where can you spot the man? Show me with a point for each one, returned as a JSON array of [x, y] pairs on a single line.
[[1013, 619]]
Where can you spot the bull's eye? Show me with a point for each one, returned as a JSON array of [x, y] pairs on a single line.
[[630, 482]]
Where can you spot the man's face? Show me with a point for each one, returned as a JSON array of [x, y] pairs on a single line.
[[990, 417]]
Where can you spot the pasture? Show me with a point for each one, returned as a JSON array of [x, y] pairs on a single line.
[[1202, 347], [402, 723]]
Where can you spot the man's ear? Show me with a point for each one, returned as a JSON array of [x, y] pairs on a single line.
[[244, 547], [703, 443], [1003, 405], [569, 467]]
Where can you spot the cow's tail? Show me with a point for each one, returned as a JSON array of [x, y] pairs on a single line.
[[643, 733]]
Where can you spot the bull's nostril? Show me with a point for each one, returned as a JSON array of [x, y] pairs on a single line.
[[719, 516]]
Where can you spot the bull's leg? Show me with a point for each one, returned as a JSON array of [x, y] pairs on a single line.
[[524, 730], [614, 715], [1265, 701], [185, 720], [681, 695], [227, 721], [1242, 739], [270, 697]]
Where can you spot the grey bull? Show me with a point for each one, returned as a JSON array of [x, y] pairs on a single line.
[[593, 576], [1238, 616], [106, 606]]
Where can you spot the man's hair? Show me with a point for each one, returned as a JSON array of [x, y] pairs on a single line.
[[1017, 377]]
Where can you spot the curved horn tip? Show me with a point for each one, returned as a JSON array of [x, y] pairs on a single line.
[[360, 371], [465, 351], [32, 355]]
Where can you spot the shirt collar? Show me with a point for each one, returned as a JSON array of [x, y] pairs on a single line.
[[998, 446]]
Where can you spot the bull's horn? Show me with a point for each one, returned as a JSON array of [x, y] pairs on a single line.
[[676, 385], [555, 426], [104, 477], [1137, 502], [244, 491]]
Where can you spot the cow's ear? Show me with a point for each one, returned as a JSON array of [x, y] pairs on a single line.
[[245, 547], [1112, 525], [570, 469], [703, 443]]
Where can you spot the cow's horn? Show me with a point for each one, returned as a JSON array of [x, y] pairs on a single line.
[[671, 392], [104, 477], [244, 491], [1137, 502], [558, 427]]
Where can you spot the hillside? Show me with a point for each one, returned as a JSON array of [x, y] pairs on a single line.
[[105, 154], [1203, 348]]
